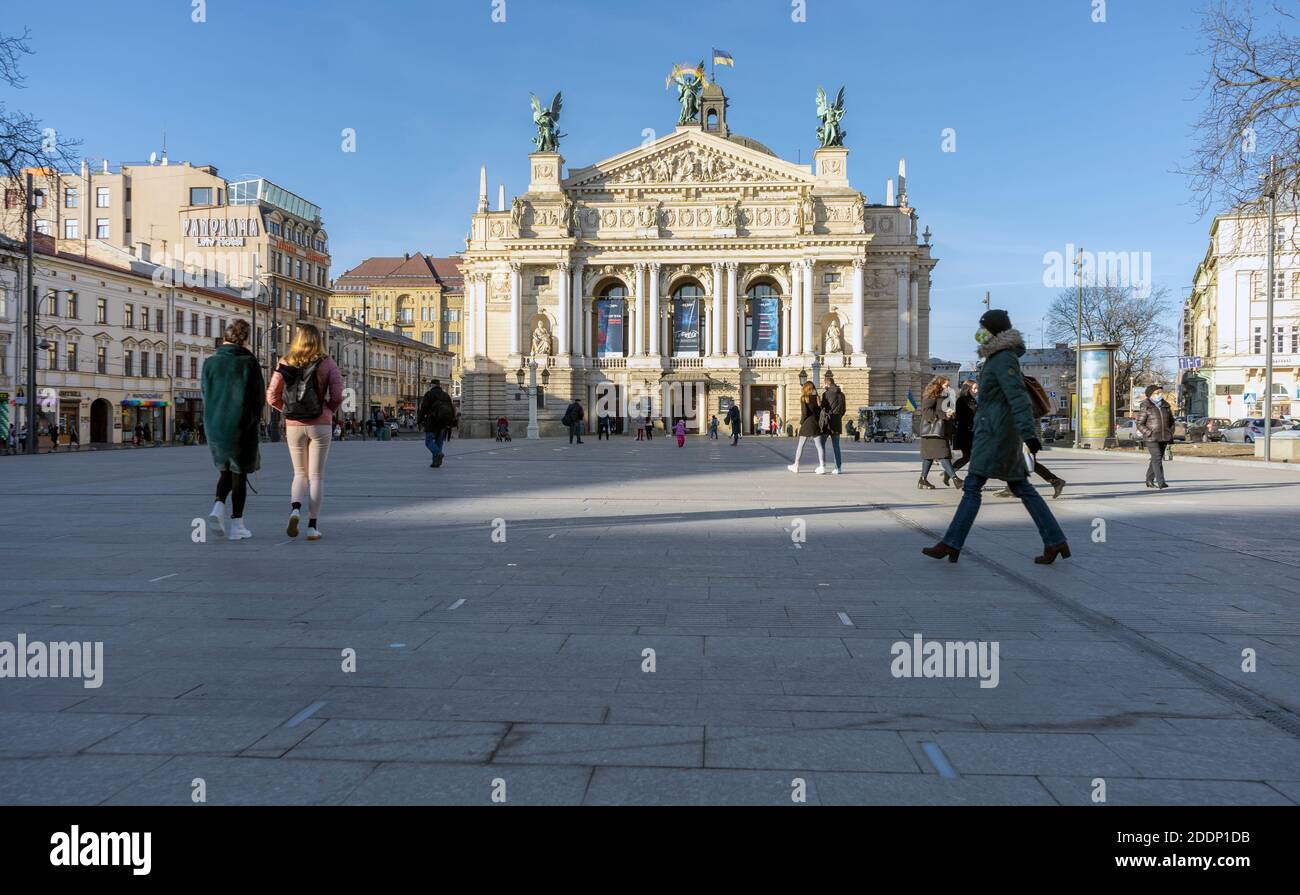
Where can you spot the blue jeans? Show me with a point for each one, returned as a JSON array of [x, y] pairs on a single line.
[[433, 441], [969, 508], [835, 443]]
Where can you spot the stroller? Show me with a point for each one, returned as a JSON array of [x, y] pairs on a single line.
[[503, 429]]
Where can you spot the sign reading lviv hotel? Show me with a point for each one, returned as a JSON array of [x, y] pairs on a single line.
[[214, 232]]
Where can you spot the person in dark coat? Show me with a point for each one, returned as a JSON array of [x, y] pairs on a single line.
[[963, 434], [938, 407], [733, 420], [810, 427], [833, 408], [1155, 423], [436, 416], [234, 394], [573, 417], [1004, 425]]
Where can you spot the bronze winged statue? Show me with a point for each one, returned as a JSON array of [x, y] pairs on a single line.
[[830, 133], [548, 124]]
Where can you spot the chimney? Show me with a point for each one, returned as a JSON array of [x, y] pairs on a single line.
[[105, 166]]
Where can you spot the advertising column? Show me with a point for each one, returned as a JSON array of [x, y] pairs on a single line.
[[1097, 394]]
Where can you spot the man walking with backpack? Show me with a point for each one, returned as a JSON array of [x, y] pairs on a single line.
[[733, 420], [436, 417], [573, 417]]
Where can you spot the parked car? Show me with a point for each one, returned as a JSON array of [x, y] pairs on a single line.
[[1126, 430], [1245, 431], [1207, 428], [1291, 430]]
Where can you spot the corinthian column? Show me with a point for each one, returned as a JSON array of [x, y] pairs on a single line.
[[469, 318], [516, 302], [638, 333], [656, 325], [796, 308], [859, 309], [904, 338], [731, 307], [808, 305], [579, 348], [914, 316], [719, 318], [562, 294]]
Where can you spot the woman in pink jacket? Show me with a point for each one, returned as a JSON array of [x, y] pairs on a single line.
[[307, 388]]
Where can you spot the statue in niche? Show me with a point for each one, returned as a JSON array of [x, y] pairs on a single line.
[[834, 342], [541, 340]]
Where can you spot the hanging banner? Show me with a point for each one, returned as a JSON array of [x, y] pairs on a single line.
[[686, 327], [766, 327], [609, 327]]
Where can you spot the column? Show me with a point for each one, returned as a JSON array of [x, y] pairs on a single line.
[[656, 325], [579, 347], [731, 307], [914, 316], [701, 407], [796, 308], [481, 314], [808, 306], [587, 348], [719, 318], [904, 339], [562, 293], [469, 318], [858, 317], [516, 302], [785, 327], [638, 333]]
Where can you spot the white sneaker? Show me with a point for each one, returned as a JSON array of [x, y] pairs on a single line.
[[292, 530], [793, 467], [835, 471], [238, 531], [313, 534], [218, 517], [820, 470]]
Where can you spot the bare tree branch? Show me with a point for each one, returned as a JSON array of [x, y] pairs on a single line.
[[1253, 106], [1122, 315]]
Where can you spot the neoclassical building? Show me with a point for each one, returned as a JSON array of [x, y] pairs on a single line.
[[688, 273]]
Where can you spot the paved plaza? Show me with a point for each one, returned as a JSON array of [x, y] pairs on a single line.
[[500, 609]]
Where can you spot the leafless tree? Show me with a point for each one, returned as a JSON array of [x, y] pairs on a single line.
[[1253, 108], [24, 142], [1125, 315]]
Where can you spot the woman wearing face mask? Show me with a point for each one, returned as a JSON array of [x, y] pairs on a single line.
[[1155, 423], [1004, 422]]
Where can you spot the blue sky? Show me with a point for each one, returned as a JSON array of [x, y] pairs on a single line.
[[1068, 131]]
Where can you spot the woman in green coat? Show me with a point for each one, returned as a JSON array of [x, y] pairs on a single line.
[[1004, 422], [233, 396]]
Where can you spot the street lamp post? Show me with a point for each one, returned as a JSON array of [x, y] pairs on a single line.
[[1078, 356], [31, 317], [1271, 336], [532, 400]]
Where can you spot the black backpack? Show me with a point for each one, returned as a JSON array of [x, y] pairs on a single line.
[[302, 398]]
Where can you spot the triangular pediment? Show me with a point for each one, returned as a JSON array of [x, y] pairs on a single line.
[[689, 157]]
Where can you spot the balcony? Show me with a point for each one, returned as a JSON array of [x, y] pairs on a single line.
[[762, 363], [609, 363], [685, 363]]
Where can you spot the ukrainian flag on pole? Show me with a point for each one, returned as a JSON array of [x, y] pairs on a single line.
[[910, 406], [721, 57]]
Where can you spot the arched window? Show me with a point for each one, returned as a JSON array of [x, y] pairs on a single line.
[[763, 320], [609, 322], [712, 120], [686, 327]]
